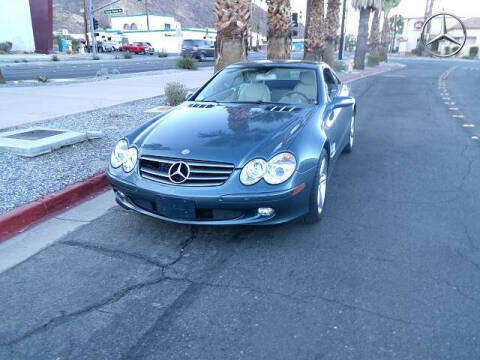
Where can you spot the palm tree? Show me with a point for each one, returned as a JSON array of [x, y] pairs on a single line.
[[384, 39], [232, 32], [331, 27], [314, 30], [365, 7], [279, 35], [375, 34]]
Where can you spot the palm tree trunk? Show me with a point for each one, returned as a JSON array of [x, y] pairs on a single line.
[[314, 30], [332, 22], [279, 36], [361, 48], [384, 39], [231, 45], [375, 34]]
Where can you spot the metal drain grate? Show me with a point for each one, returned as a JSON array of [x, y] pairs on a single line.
[[35, 134]]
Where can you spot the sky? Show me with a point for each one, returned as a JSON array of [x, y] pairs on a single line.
[[407, 8]]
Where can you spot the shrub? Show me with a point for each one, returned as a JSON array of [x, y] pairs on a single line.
[[175, 93], [473, 51], [373, 60], [186, 63], [55, 58], [162, 54], [447, 50], [96, 57], [42, 78], [6, 46], [254, 48], [339, 66], [127, 56]]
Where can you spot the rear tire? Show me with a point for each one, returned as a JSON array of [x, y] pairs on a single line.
[[318, 193]]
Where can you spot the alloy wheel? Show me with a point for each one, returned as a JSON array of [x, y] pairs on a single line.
[[322, 185], [352, 131]]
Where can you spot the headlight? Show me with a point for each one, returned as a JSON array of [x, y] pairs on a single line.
[[280, 168], [253, 171], [119, 153], [124, 156], [130, 160]]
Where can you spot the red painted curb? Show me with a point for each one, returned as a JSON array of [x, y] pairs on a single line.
[[351, 77], [19, 219]]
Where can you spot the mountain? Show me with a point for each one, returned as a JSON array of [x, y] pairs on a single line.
[[190, 13]]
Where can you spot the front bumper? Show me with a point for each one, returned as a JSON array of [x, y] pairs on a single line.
[[213, 206]]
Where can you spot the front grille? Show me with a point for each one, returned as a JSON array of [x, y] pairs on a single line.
[[202, 173]]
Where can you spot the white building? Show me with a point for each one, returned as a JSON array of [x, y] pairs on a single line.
[[16, 24], [144, 22], [473, 36], [412, 31]]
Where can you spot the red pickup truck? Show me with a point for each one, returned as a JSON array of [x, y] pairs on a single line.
[[139, 48]]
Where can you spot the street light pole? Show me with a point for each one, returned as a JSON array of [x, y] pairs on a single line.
[[146, 10], [342, 32], [89, 10]]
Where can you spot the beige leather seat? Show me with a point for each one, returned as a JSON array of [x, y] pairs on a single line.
[[254, 91], [307, 85]]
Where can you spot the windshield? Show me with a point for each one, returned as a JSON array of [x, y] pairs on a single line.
[[278, 85]]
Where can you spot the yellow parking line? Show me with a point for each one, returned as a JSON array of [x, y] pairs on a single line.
[[453, 109], [458, 116], [468, 125], [475, 137]]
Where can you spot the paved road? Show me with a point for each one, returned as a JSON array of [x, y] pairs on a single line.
[[391, 272], [90, 68]]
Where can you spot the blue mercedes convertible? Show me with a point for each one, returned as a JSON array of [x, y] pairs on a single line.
[[255, 145]]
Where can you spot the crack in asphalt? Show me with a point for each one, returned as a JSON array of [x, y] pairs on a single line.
[[115, 253], [303, 299], [61, 319]]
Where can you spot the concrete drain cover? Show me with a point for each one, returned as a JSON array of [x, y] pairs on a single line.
[[37, 141]]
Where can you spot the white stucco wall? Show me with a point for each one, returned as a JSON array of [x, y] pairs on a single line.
[[16, 24]]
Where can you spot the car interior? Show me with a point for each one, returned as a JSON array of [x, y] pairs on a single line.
[[277, 85]]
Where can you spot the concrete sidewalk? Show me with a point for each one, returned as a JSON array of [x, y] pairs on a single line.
[[29, 104]]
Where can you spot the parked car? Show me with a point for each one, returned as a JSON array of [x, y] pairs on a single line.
[[139, 48], [256, 144], [198, 49]]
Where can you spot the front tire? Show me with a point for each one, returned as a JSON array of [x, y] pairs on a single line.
[[351, 137], [318, 193]]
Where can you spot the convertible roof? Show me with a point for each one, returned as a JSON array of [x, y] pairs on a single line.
[[285, 63]]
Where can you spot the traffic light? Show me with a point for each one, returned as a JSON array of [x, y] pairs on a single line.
[[95, 24], [294, 20]]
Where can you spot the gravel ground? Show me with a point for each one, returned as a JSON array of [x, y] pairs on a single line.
[[23, 180]]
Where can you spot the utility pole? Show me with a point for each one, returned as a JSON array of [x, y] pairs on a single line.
[[90, 26], [342, 32], [85, 21], [146, 10]]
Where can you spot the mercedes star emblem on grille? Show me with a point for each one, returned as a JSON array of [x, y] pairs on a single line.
[[179, 172]]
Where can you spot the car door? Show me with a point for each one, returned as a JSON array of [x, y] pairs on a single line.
[[333, 117]]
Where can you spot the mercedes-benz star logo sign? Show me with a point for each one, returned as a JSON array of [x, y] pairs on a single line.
[[179, 172], [443, 36]]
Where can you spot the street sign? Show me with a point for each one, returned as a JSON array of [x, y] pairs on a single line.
[[113, 11]]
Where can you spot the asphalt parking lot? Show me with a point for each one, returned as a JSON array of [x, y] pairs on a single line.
[[391, 272]]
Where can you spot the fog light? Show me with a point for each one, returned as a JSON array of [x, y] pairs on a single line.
[[266, 211]]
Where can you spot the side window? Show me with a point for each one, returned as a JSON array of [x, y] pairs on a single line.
[[332, 83]]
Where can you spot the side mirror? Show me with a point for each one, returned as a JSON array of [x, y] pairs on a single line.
[[342, 101]]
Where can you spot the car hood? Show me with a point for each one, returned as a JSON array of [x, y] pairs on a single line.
[[231, 133]]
